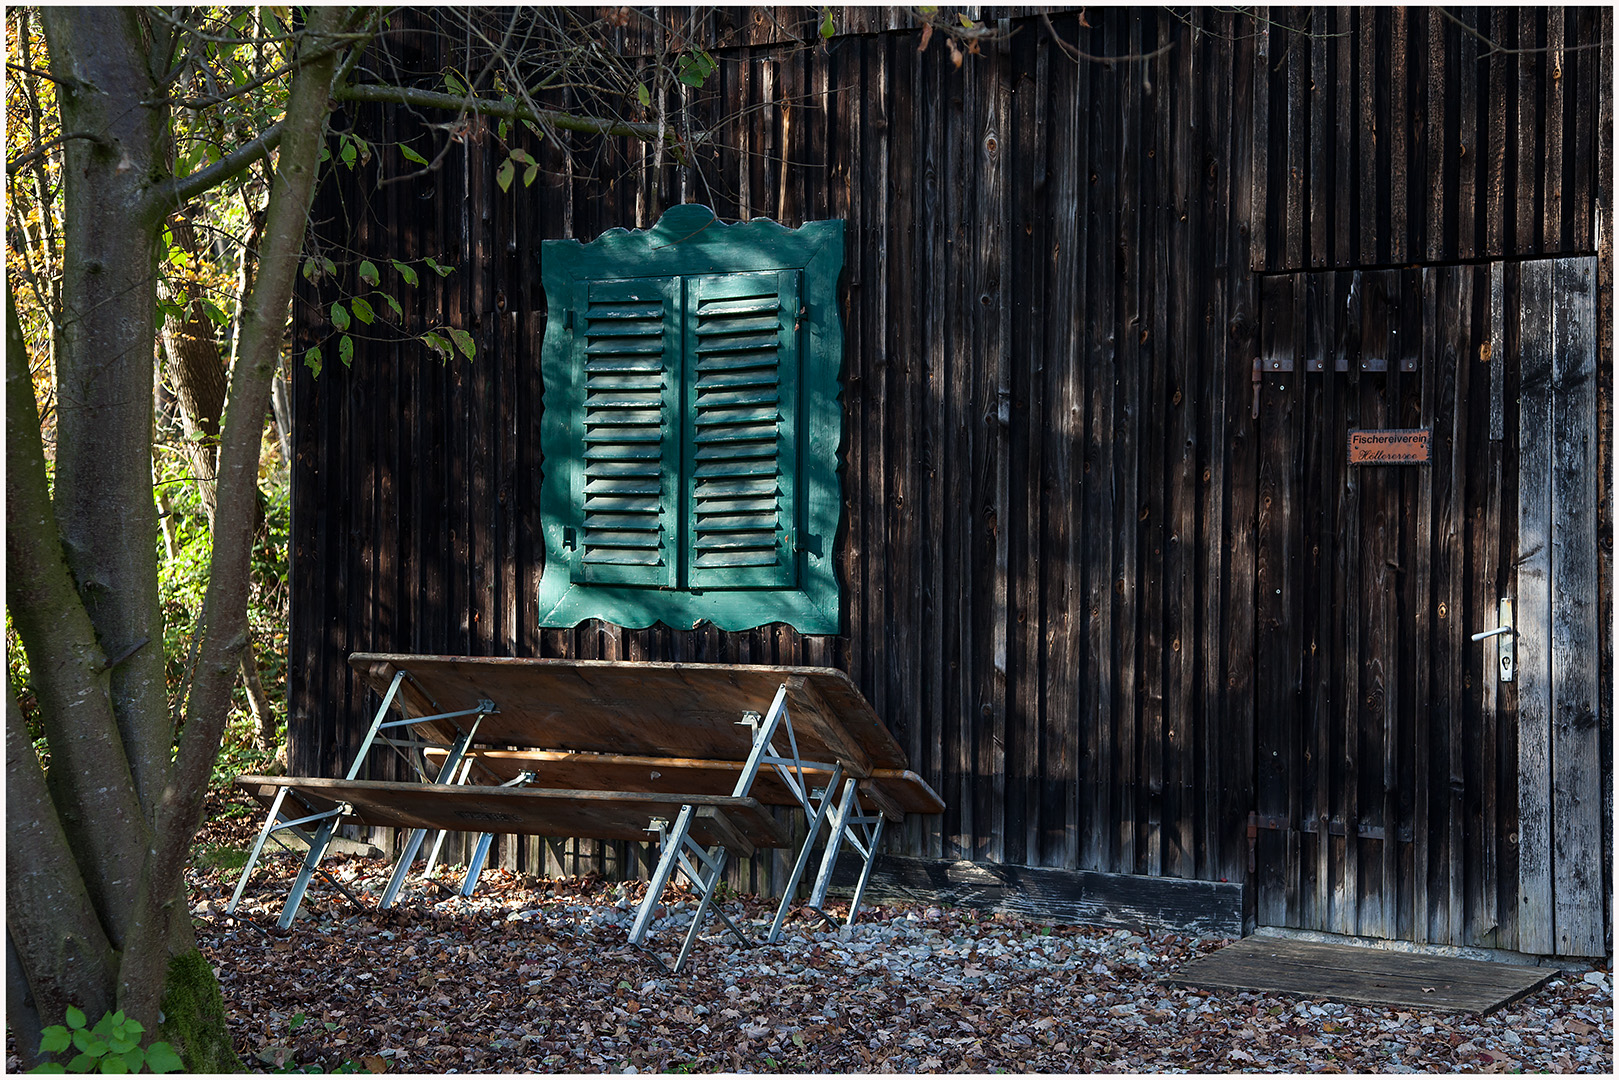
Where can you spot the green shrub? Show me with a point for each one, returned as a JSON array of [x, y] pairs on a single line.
[[112, 1046]]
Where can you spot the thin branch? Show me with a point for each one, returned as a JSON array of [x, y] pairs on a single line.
[[1496, 48], [1076, 54], [505, 110], [44, 148], [182, 189]]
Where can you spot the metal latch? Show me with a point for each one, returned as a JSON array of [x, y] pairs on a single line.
[[1507, 640]]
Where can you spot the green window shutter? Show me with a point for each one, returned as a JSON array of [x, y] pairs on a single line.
[[741, 462], [625, 483], [690, 431]]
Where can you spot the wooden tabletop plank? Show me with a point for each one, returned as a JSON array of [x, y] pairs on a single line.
[[604, 815], [903, 791], [674, 710]]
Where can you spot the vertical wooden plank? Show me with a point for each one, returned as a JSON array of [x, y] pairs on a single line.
[[1259, 176], [1534, 612], [1579, 163], [1487, 541], [1371, 174], [1344, 155], [1347, 601], [1180, 345], [1127, 475], [1066, 214], [1320, 179], [1295, 228], [1101, 506], [1214, 65], [1421, 613], [1153, 589], [991, 481], [1436, 136], [1577, 757], [1029, 729], [1469, 181], [931, 256], [1553, 134], [1399, 135], [1501, 70], [962, 146], [1455, 343], [1276, 646], [1239, 354], [1529, 148], [1323, 483]]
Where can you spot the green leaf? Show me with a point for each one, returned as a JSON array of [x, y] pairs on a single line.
[[454, 85], [161, 1058], [214, 312], [325, 154], [81, 1039], [437, 344], [642, 94], [827, 27], [345, 350], [368, 272], [441, 271], [521, 155], [411, 155], [349, 154], [966, 22], [529, 174], [340, 315], [75, 1017], [112, 1063], [695, 67], [54, 1039], [398, 311], [405, 272], [298, 1020], [48, 1067], [311, 271], [503, 175], [82, 1063], [503, 128], [464, 342], [327, 266], [312, 360], [362, 310]]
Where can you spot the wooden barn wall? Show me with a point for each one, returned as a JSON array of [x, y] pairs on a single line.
[[1048, 550]]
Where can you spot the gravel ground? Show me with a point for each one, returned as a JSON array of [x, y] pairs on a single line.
[[535, 975]]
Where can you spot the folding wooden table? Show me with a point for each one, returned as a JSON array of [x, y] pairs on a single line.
[[694, 753]]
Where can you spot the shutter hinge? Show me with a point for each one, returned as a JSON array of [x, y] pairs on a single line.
[[567, 319], [570, 538], [809, 545]]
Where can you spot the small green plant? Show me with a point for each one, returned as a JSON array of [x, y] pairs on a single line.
[[112, 1046]]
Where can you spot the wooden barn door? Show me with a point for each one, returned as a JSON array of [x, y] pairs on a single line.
[[1388, 795]]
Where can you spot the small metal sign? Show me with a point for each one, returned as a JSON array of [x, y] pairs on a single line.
[[1391, 446]]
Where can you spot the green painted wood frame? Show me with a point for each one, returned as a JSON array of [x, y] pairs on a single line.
[[682, 258]]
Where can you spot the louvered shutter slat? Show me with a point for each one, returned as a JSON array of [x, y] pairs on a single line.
[[629, 335], [741, 383]]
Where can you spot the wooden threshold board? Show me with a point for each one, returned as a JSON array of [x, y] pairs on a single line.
[[1353, 973]]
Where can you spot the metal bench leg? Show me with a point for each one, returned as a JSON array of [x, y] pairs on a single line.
[[397, 880], [715, 873], [804, 853], [865, 872], [475, 864], [258, 847], [834, 841], [667, 858], [317, 851]]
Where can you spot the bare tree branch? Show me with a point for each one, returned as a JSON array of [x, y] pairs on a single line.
[[506, 110], [177, 192]]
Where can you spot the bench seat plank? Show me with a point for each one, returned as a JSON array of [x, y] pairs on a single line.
[[601, 815]]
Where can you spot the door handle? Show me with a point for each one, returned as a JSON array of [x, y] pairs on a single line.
[[1507, 643]]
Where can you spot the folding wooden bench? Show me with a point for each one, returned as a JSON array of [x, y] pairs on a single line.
[[614, 750]]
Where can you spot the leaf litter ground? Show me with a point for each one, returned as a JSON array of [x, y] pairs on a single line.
[[535, 975]]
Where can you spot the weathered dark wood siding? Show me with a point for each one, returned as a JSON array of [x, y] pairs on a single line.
[[1058, 500]]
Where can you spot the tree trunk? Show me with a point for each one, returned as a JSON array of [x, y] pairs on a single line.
[[101, 843]]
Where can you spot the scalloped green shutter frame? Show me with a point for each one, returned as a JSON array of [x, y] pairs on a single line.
[[691, 425]]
